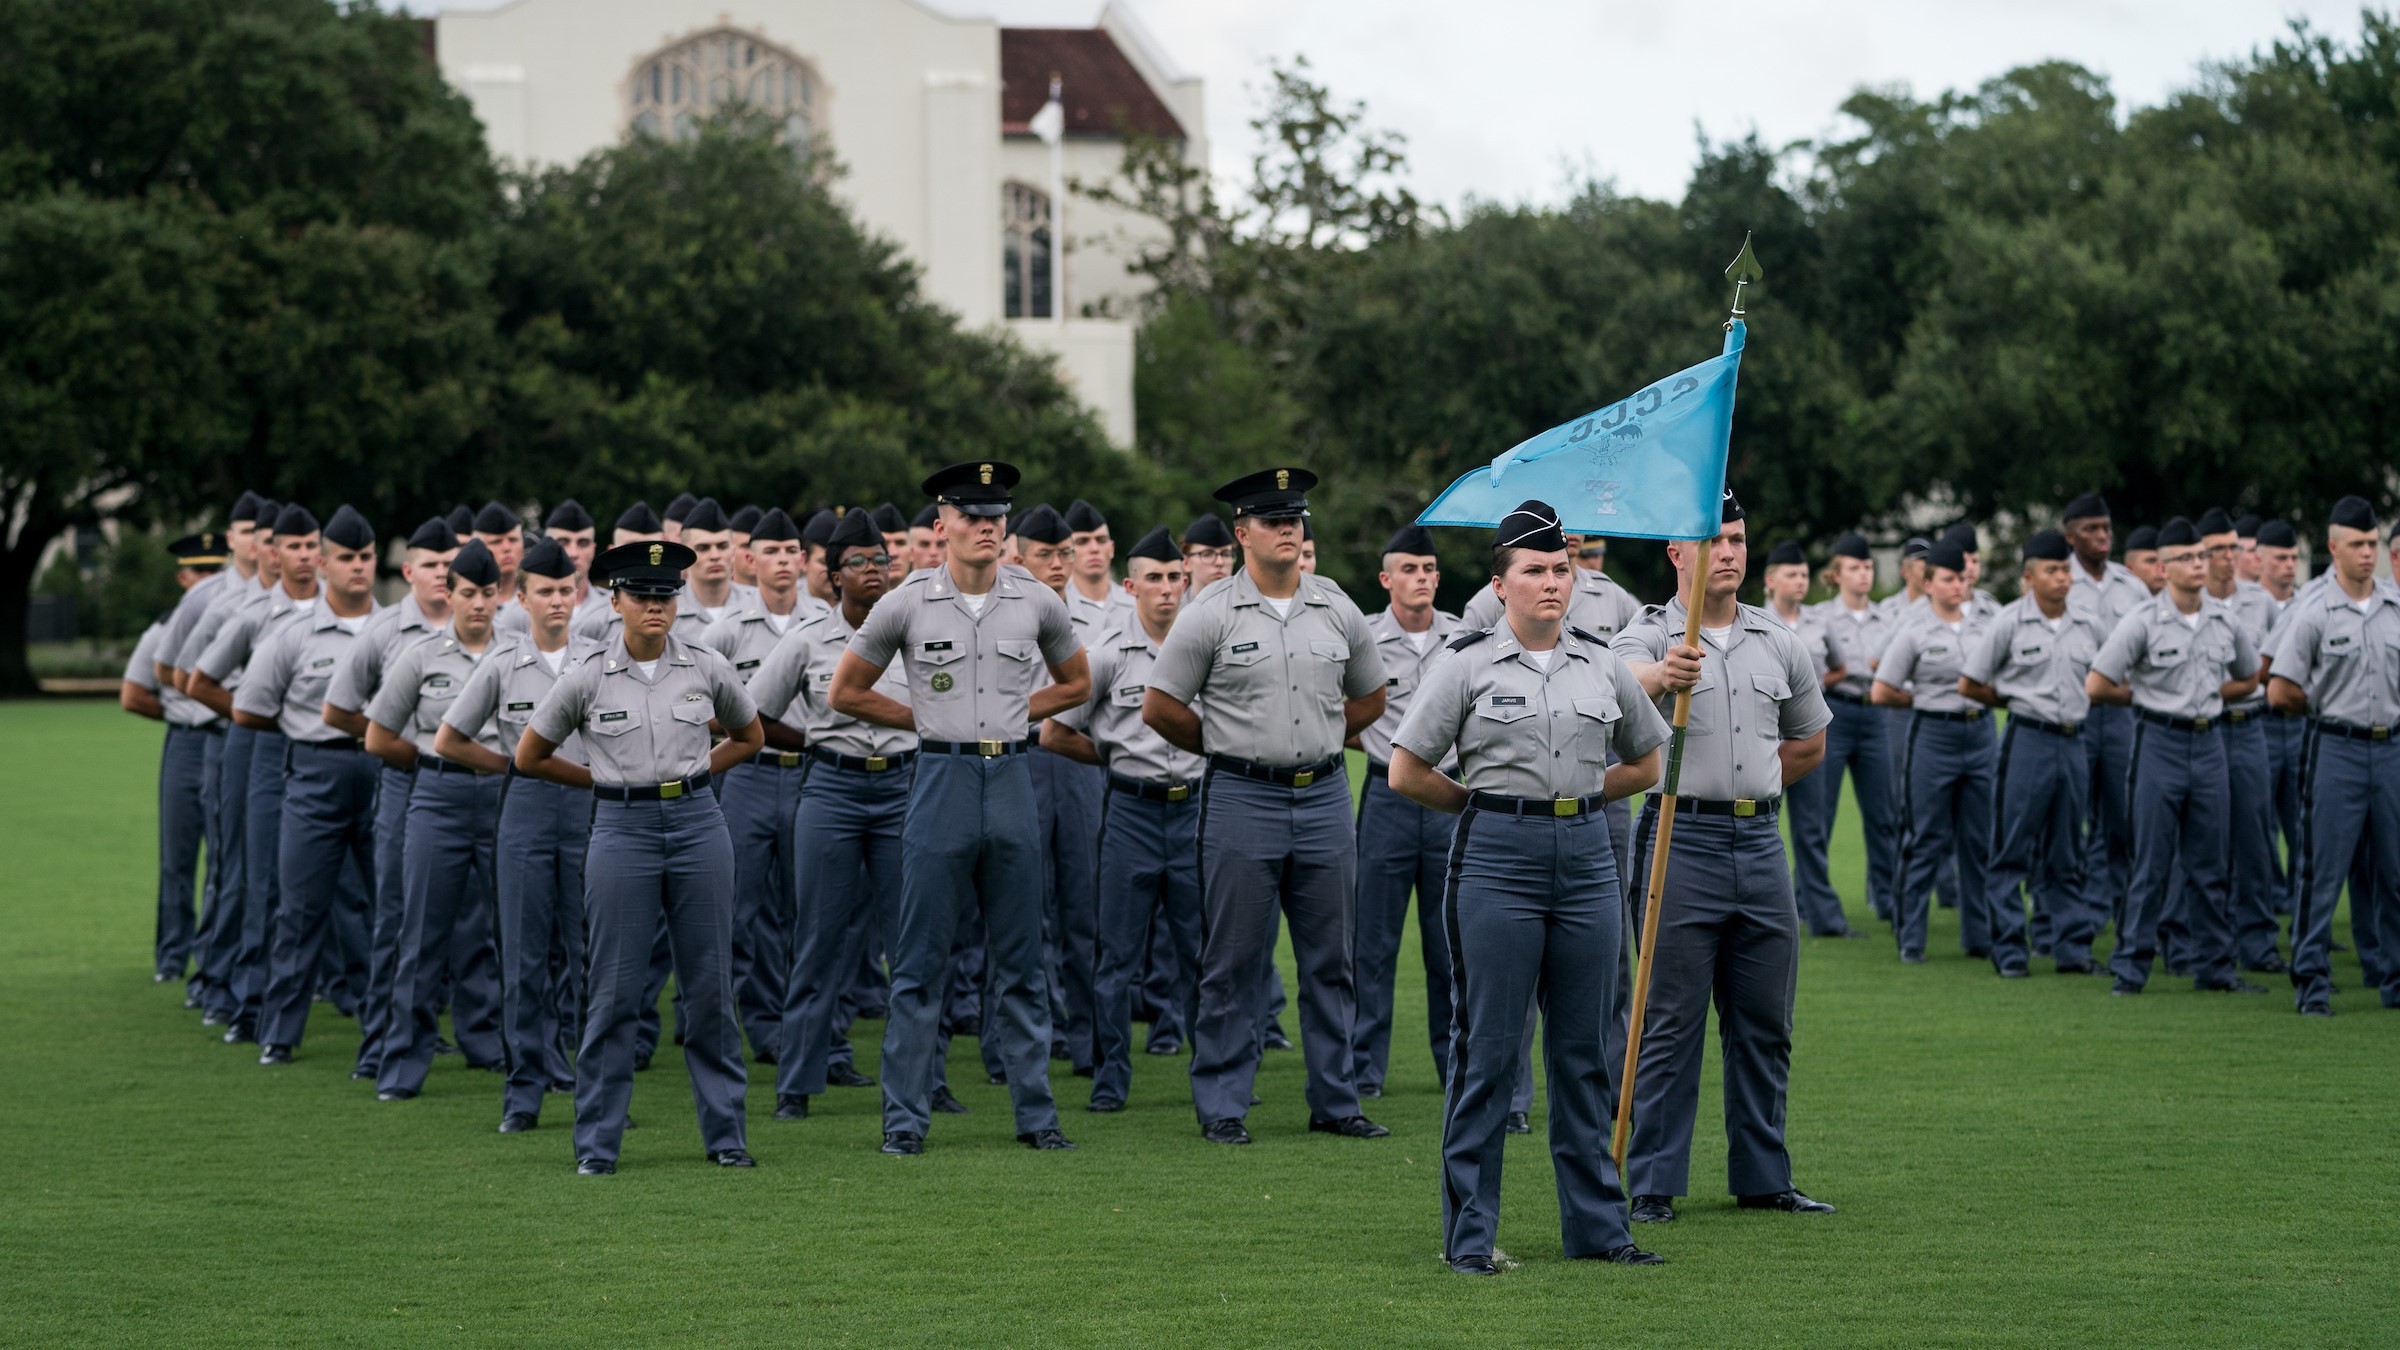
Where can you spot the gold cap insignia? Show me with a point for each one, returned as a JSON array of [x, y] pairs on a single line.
[[983, 474], [1283, 479], [658, 554]]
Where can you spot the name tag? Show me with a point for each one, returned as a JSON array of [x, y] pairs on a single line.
[[320, 663], [937, 646], [1392, 683], [527, 706], [612, 717], [1508, 700], [1132, 691], [2341, 641], [2169, 653], [1240, 647], [2026, 653], [745, 665], [438, 682]]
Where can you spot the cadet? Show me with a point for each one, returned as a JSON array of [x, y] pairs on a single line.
[[740, 526], [974, 637], [1858, 741], [1533, 905], [2338, 657], [445, 939], [2032, 661], [1946, 802], [814, 532], [1208, 552], [846, 840], [1068, 796], [1149, 865], [2110, 591], [925, 547], [182, 765], [236, 545], [2141, 558], [2256, 872], [2175, 659], [677, 510], [1289, 672], [461, 520], [1092, 582], [2246, 561], [571, 528], [2278, 570], [642, 706], [710, 592], [1402, 846], [893, 526], [543, 831], [1728, 927], [1809, 808]]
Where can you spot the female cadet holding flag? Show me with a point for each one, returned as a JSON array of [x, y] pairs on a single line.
[[1535, 710]]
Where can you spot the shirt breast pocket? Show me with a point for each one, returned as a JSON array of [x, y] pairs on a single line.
[[1494, 732], [1336, 652], [939, 676], [1128, 696], [1705, 719], [1768, 694], [610, 723], [1241, 655], [2169, 655], [1596, 722]]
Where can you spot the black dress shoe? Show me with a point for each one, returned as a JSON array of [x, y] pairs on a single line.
[[1979, 953], [1912, 958], [242, 1029], [396, 1095], [1226, 1131], [595, 1167], [1276, 1040], [212, 1019], [1518, 1123], [1060, 1054], [762, 1057], [2042, 952], [641, 1062], [275, 1054], [1164, 1045], [995, 1080], [1084, 1071], [845, 1075], [2273, 965], [442, 1047], [2123, 988], [191, 1000], [1786, 1202], [1049, 1141], [903, 1143], [1349, 1127], [2236, 985], [1474, 1265], [2013, 972], [1371, 1091], [518, 1122], [791, 1106], [364, 1074], [732, 1157], [487, 1066], [946, 1103], [1104, 1105], [2315, 1010], [2082, 968], [1627, 1255], [565, 1088], [1653, 1209]]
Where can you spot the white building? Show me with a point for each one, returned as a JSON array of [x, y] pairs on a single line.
[[929, 115]]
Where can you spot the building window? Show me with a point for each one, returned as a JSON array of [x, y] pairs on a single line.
[[674, 91], [1025, 257]]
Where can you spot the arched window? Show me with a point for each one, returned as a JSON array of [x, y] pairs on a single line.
[[672, 92], [1025, 251]]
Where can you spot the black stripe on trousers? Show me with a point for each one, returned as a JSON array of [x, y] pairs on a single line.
[[1200, 868], [2008, 743], [2312, 744], [1458, 998], [1908, 820]]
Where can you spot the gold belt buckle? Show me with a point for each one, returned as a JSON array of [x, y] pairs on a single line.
[[1745, 806], [1179, 792], [2199, 724], [1974, 714], [877, 764], [988, 749], [787, 758], [2379, 733], [668, 792], [2070, 727], [1566, 806], [1304, 777]]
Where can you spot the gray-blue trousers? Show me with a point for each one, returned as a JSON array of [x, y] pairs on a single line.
[[2037, 844], [181, 822], [2287, 754], [1946, 814], [383, 941], [228, 865], [1728, 931], [972, 841], [1534, 912], [1857, 743], [545, 829], [1067, 794], [2107, 738], [1268, 850], [1149, 876], [1896, 722], [326, 860], [846, 847], [1402, 847], [2178, 794], [758, 800], [2257, 874], [212, 770], [2353, 835], [447, 885], [262, 890]]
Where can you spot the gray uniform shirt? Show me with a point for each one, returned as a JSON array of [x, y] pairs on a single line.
[[229, 605], [792, 683], [207, 591], [1101, 616], [2038, 669], [969, 675], [1121, 667], [1599, 606], [424, 679], [1404, 668], [1817, 633], [1927, 656], [360, 675], [141, 670], [247, 632], [2255, 609], [641, 731], [1863, 634], [2347, 663], [2117, 592], [505, 689], [288, 678], [2173, 668], [1275, 685], [1521, 731], [745, 636], [1756, 691]]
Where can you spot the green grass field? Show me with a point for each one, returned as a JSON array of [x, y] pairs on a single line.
[[2029, 1162]]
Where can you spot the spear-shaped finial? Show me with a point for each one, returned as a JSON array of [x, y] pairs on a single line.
[[1743, 270]]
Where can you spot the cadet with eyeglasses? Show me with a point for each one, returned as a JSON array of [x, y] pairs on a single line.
[[1858, 743]]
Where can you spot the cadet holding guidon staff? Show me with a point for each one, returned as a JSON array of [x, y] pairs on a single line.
[[2176, 659], [1289, 672], [1946, 777], [642, 706], [1810, 802], [1857, 743], [2032, 661], [2337, 656], [974, 636]]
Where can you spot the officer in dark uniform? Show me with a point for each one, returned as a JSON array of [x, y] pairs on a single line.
[[642, 707], [1546, 724]]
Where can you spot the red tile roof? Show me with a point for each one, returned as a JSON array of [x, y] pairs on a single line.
[[1103, 93]]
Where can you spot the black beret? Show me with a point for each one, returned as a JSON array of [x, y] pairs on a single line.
[[706, 515], [545, 559], [1208, 532], [643, 567], [1415, 540], [1916, 547], [474, 565], [2214, 520], [2046, 546], [1083, 517], [2089, 506], [461, 520], [349, 529], [744, 521], [819, 527], [264, 514], [889, 520], [857, 529], [2178, 533], [1947, 555], [2277, 534], [1963, 535], [1043, 525], [924, 519], [772, 526], [245, 507], [1532, 525], [639, 519], [1269, 493], [434, 536], [295, 519], [496, 519], [681, 507], [2246, 526], [568, 515], [1787, 553], [205, 549], [1733, 508], [2144, 539], [977, 487], [1852, 545], [1158, 546], [2352, 513]]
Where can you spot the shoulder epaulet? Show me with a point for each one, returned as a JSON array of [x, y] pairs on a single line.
[[528, 658], [1592, 638], [1468, 639]]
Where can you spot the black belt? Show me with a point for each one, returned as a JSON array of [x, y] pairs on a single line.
[[1282, 775], [986, 749], [870, 764], [2178, 723], [1033, 733], [2347, 731], [1148, 791], [1742, 807], [345, 743], [1845, 696], [517, 773], [2016, 719], [775, 759], [1535, 806], [437, 764], [651, 792], [1962, 715], [2281, 715]]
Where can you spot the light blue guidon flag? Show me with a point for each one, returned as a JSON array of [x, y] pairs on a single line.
[[1647, 467]]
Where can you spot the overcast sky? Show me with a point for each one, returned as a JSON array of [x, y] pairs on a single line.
[[1508, 99]]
